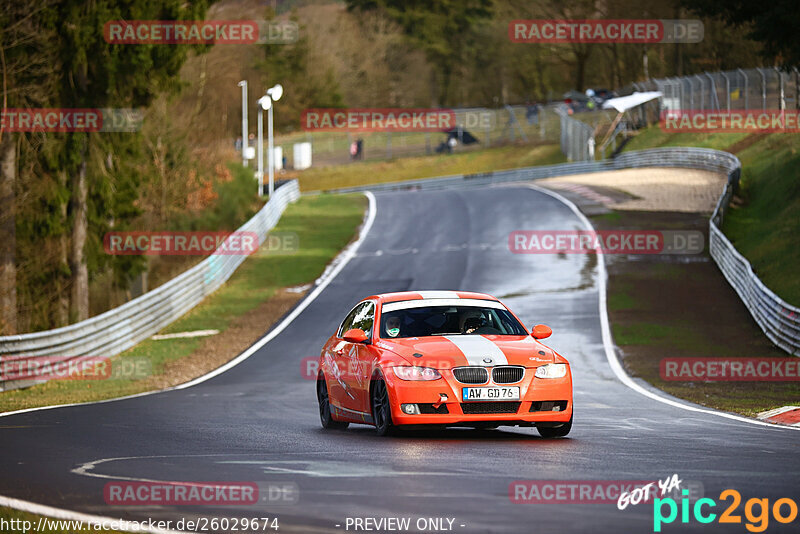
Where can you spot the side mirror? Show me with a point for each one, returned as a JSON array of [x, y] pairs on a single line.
[[355, 335], [541, 331]]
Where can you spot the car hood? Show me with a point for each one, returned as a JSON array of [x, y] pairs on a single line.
[[444, 352]]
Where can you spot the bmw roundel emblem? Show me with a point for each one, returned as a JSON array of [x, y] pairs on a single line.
[[487, 360]]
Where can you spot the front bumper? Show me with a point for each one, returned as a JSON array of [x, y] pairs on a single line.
[[535, 393]]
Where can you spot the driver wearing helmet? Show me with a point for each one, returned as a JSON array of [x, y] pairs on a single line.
[[393, 326], [472, 324]]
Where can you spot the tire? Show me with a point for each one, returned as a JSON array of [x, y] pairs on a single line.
[[381, 408], [555, 431], [325, 416]]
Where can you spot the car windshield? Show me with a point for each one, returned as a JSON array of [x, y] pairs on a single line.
[[449, 321]]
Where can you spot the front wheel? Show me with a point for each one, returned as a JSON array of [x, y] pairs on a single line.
[[325, 416], [555, 431], [381, 409]]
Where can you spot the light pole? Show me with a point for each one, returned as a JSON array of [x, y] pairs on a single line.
[[245, 143], [274, 93], [263, 103]]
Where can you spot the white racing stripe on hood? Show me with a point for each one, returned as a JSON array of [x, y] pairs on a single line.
[[476, 348]]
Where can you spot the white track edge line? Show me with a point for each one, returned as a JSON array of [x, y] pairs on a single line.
[[346, 255], [69, 515], [608, 344], [341, 260]]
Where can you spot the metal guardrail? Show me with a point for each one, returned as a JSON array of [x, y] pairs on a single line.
[[779, 320], [577, 138], [659, 157], [116, 330], [119, 329]]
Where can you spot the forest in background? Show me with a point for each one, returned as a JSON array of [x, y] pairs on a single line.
[[61, 192]]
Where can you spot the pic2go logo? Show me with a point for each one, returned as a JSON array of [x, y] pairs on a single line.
[[757, 521]]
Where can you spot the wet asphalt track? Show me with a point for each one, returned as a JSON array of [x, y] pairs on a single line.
[[258, 421]]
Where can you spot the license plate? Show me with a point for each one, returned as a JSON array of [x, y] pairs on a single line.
[[489, 394]]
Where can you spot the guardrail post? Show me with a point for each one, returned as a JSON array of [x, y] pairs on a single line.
[[712, 93], [780, 83], [727, 90], [744, 75], [763, 88], [796, 89], [702, 92]]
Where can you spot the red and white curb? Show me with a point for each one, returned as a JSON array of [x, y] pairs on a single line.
[[786, 415]]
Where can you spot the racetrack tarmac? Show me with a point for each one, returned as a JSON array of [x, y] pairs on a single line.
[[258, 421]]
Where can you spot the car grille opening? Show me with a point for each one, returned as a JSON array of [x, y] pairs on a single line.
[[507, 374], [469, 408], [471, 375], [427, 408], [548, 406]]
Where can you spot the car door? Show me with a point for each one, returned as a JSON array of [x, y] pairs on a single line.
[[337, 359], [350, 359], [361, 357]]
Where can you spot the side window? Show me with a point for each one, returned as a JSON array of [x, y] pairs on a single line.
[[347, 324], [365, 316]]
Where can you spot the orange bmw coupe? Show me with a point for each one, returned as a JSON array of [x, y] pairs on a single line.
[[446, 358]]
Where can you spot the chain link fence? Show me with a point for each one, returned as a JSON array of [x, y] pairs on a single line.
[[488, 126], [740, 89], [779, 320]]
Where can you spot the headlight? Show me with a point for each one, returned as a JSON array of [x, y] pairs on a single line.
[[416, 373], [551, 370]]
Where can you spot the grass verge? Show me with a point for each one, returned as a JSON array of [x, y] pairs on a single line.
[[764, 220], [411, 168], [666, 306], [251, 299]]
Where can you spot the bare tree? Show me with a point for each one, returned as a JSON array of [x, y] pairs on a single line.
[[24, 60]]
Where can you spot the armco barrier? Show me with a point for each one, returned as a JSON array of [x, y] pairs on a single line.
[[779, 320], [121, 328]]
